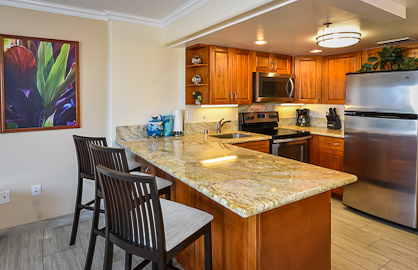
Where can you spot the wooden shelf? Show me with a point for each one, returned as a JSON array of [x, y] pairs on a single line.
[[196, 66], [196, 85]]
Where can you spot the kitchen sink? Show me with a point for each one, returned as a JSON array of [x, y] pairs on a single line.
[[231, 135]]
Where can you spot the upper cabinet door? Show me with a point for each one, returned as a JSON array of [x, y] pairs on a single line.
[[262, 62], [241, 88], [308, 71], [334, 69], [410, 50], [270, 62], [220, 74], [281, 63]]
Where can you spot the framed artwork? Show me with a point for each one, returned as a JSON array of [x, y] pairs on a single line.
[[40, 84]]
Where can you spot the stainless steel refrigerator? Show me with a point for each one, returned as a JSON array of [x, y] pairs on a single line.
[[380, 144]]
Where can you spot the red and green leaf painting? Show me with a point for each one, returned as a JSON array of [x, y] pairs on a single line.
[[39, 84]]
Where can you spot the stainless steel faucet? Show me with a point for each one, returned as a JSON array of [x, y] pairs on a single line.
[[221, 124]]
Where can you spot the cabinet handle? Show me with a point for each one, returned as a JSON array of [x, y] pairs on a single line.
[[319, 96], [336, 144], [230, 94], [275, 66], [146, 169], [235, 96]]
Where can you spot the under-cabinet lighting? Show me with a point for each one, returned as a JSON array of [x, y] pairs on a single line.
[[290, 104], [218, 106], [218, 160]]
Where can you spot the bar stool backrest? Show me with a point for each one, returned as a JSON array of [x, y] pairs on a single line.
[[84, 158], [112, 158], [133, 215]]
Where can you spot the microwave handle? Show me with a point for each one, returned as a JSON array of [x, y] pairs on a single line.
[[292, 89]]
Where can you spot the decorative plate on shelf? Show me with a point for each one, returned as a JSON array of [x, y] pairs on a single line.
[[196, 60], [197, 79]]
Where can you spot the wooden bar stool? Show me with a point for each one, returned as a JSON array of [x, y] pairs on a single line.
[[141, 223], [85, 171], [115, 159]]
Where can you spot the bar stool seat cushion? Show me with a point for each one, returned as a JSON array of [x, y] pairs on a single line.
[[181, 221], [161, 182]]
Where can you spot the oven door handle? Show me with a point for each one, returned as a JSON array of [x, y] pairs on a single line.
[[292, 139]]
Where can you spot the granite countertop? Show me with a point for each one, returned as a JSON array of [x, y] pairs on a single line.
[[249, 183], [323, 131]]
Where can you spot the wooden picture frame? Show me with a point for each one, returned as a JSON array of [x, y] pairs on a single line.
[[40, 84]]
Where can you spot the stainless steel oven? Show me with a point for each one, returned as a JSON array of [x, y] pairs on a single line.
[[294, 148], [287, 143]]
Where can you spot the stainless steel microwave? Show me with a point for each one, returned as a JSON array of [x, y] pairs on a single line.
[[273, 87]]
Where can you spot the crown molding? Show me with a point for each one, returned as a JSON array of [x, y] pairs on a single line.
[[107, 15], [55, 8], [183, 10]]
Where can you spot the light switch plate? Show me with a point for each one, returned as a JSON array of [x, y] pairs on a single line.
[[203, 117]]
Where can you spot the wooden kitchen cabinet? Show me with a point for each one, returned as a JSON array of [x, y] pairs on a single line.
[[242, 84], [220, 75], [322, 79], [226, 75], [270, 62], [308, 72], [328, 152], [230, 76], [333, 80], [261, 146]]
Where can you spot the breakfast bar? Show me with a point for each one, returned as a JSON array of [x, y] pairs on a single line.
[[269, 212]]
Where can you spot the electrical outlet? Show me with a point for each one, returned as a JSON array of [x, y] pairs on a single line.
[[203, 117], [36, 190], [4, 196], [189, 117]]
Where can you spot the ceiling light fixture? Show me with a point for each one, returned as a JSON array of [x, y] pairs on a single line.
[[260, 42], [338, 39], [315, 51]]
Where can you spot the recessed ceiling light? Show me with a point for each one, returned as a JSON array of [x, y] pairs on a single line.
[[261, 42], [315, 51]]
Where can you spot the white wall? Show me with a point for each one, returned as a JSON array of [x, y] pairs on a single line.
[[193, 114], [48, 157], [146, 77], [315, 110]]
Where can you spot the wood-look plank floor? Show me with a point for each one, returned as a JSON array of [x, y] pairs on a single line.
[[358, 241]]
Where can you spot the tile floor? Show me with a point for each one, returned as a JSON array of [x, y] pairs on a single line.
[[359, 241]]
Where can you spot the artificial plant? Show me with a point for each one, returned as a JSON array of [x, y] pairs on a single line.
[[389, 58]]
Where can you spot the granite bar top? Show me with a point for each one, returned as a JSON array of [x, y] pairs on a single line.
[[323, 131], [248, 182]]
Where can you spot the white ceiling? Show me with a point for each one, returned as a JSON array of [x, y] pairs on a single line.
[[290, 29]]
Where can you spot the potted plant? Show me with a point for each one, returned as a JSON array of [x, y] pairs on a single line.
[[389, 58]]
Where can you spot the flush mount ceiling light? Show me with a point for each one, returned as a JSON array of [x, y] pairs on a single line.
[[338, 39], [260, 42]]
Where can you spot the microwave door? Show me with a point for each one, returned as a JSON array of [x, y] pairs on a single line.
[[273, 87]]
